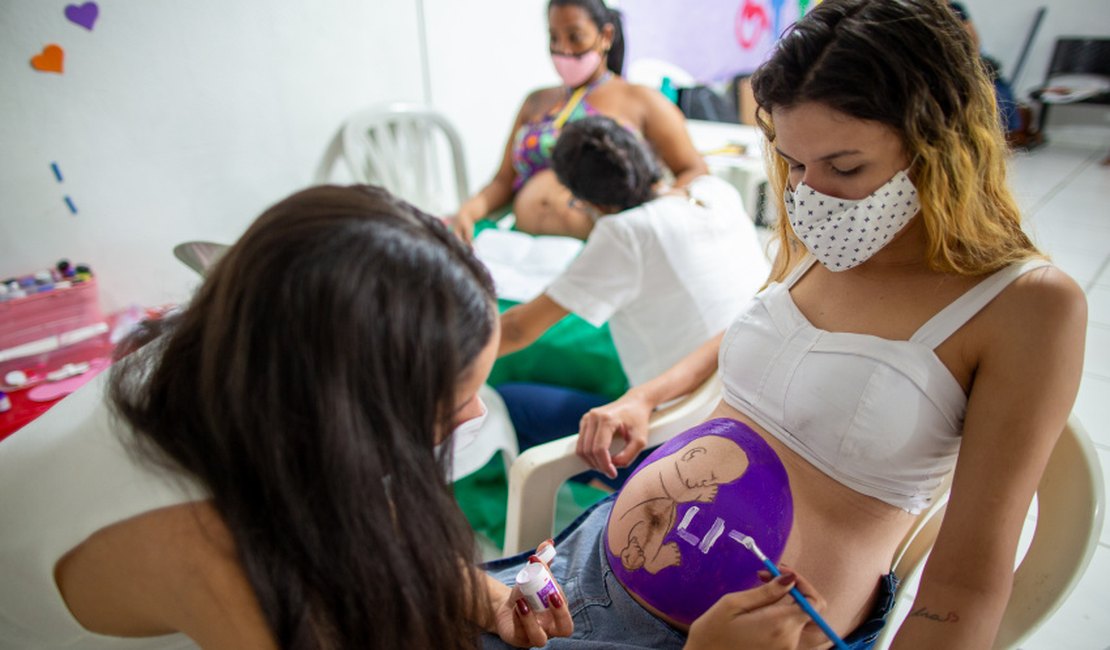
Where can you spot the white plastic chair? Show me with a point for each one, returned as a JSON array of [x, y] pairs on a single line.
[[412, 151], [535, 477], [199, 255], [650, 73], [1070, 509]]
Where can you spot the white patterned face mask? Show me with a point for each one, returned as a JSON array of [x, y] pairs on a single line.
[[842, 233]]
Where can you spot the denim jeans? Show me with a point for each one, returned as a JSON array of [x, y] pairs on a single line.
[[606, 617]]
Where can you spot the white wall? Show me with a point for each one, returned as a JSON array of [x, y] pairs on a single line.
[[183, 120], [1003, 27], [176, 121], [485, 56]]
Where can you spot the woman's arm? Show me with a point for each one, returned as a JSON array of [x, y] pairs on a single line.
[[523, 324], [665, 129], [174, 569], [1031, 341], [499, 191], [628, 416]]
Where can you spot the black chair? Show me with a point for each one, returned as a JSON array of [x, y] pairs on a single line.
[[1076, 56]]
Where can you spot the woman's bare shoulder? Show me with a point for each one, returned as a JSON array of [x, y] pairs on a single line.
[[539, 101], [646, 96], [1044, 294], [174, 569]]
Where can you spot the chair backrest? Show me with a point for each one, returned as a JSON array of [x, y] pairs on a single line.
[[412, 151], [199, 255], [536, 475], [1070, 510], [1080, 56]]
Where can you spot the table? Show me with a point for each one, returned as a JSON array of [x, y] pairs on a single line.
[[24, 410], [99, 347], [571, 353]]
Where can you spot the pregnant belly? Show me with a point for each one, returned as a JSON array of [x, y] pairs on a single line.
[[542, 207], [675, 535], [840, 540]]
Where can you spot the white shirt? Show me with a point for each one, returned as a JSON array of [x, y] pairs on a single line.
[[63, 477], [882, 417], [666, 275]]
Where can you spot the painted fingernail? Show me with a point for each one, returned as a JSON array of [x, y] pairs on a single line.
[[556, 600], [545, 551], [533, 559], [787, 578], [522, 607], [764, 575]]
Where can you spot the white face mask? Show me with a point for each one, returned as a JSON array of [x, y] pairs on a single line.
[[466, 432], [842, 233], [461, 437]]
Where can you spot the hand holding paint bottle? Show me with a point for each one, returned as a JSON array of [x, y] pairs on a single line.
[[535, 582], [535, 609]]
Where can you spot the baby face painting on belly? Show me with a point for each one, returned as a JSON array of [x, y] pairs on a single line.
[[672, 536]]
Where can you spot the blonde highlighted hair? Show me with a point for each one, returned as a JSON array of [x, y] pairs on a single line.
[[908, 64]]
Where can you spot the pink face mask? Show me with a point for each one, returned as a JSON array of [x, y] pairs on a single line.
[[576, 69]]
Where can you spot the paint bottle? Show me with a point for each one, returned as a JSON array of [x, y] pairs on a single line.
[[536, 586]]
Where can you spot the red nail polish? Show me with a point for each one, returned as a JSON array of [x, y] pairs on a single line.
[[533, 559], [764, 575], [522, 607], [786, 579], [556, 600]]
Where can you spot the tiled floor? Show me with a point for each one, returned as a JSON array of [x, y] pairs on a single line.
[[1065, 195]]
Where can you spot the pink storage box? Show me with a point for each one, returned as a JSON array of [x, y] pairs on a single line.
[[50, 313]]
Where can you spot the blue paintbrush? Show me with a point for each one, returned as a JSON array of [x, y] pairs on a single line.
[[749, 544]]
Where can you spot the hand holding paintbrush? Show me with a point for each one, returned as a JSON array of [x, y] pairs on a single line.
[[806, 606], [764, 617]]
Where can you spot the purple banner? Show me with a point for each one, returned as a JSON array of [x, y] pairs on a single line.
[[713, 40]]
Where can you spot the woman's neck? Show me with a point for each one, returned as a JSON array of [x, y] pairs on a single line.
[[908, 249], [596, 79]]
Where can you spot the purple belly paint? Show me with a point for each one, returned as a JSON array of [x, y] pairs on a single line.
[[673, 540]]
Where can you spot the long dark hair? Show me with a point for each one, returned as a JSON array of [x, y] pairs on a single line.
[[304, 387], [601, 16], [910, 65], [604, 163]]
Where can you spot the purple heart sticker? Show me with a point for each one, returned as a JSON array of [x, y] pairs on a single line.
[[83, 15]]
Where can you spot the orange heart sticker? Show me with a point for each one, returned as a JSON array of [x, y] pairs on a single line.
[[50, 60]]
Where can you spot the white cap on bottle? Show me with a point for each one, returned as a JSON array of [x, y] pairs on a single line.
[[536, 586]]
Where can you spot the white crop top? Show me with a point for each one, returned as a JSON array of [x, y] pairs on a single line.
[[882, 417], [63, 477]]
